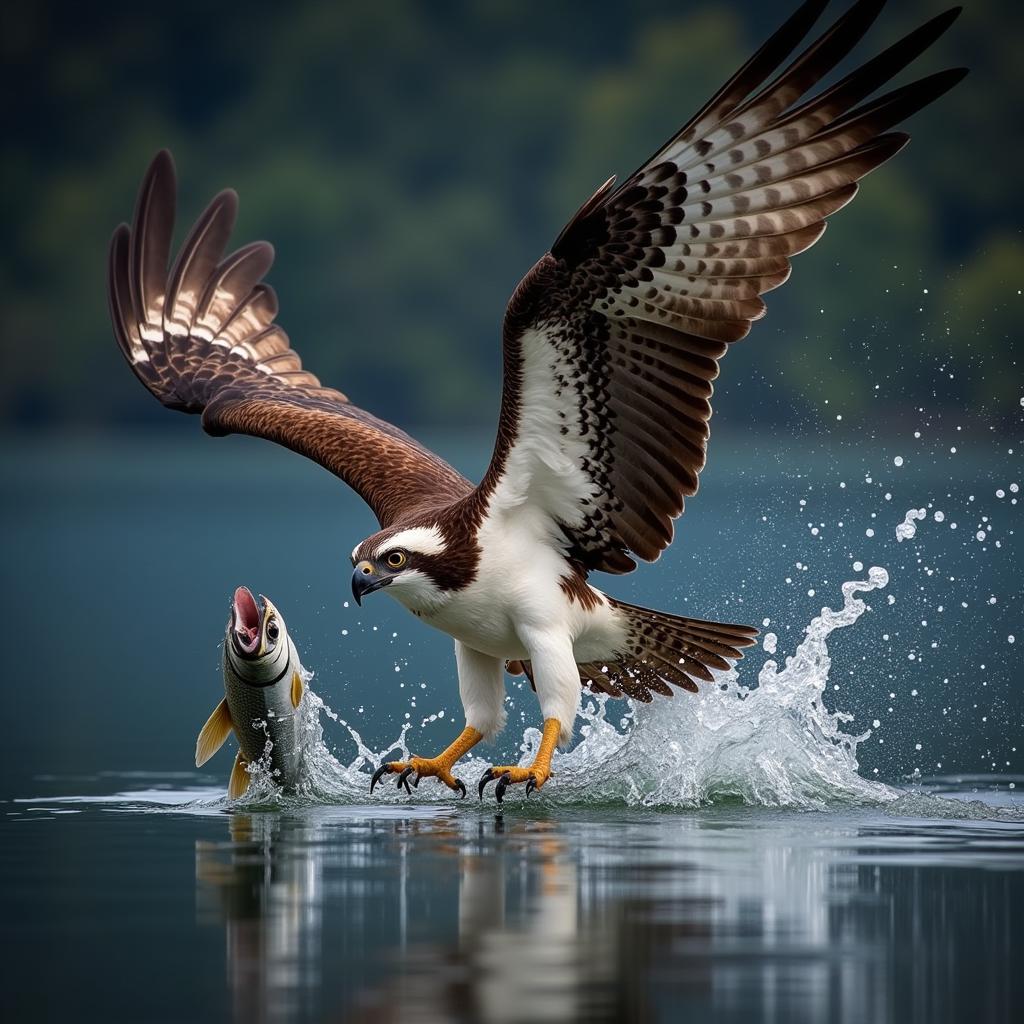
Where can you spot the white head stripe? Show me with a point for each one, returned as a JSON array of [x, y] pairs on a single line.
[[423, 539]]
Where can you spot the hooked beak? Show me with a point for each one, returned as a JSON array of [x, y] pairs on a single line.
[[366, 581], [246, 622]]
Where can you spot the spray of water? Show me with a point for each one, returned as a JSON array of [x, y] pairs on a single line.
[[907, 530], [774, 744]]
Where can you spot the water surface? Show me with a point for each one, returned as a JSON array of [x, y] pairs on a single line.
[[163, 904]]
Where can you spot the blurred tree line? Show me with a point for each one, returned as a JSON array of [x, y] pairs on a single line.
[[410, 161]]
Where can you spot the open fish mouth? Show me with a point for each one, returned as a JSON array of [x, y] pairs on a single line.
[[246, 620]]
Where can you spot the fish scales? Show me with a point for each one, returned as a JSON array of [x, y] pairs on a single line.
[[261, 712], [263, 688]]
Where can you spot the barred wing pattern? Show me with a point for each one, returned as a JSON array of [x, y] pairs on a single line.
[[613, 339], [202, 339]]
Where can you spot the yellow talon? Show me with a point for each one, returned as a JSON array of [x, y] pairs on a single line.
[[514, 773], [431, 767], [534, 776]]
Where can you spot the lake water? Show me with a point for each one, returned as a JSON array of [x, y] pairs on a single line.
[[836, 836], [128, 909]]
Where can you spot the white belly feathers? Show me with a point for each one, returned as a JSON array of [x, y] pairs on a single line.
[[517, 592]]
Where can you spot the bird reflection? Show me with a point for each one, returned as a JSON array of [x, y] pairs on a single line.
[[519, 953], [520, 943], [513, 950], [436, 916]]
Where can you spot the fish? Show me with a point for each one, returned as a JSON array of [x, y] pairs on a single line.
[[263, 688]]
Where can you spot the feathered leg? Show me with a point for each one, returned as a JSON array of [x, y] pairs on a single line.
[[557, 681]]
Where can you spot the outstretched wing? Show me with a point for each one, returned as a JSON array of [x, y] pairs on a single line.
[[613, 339], [202, 338]]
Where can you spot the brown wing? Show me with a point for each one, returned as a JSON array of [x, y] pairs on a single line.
[[202, 338], [613, 339]]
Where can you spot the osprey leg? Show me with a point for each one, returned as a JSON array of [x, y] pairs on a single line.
[[431, 767], [535, 775]]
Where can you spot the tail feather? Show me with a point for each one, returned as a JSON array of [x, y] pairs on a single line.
[[663, 649]]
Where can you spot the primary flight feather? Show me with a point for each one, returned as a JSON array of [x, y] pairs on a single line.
[[611, 344]]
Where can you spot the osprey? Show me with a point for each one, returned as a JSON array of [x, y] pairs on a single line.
[[611, 343]]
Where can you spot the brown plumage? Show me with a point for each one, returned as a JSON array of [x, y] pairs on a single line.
[[202, 338], [611, 342], [649, 283]]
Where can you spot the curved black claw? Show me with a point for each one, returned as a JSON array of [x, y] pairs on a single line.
[[461, 786], [531, 785], [378, 774], [403, 779], [488, 776], [499, 789]]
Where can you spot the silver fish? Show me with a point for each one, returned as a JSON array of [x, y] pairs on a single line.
[[263, 688]]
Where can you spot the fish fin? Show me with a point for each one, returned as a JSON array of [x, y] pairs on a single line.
[[298, 688], [212, 735], [240, 778]]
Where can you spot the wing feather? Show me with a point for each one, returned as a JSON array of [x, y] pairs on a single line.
[[194, 267], [613, 339], [202, 338]]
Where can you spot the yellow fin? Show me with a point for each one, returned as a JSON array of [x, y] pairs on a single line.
[[239, 781], [212, 736], [298, 687]]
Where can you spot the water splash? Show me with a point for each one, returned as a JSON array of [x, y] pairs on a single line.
[[321, 777], [907, 530], [774, 744]]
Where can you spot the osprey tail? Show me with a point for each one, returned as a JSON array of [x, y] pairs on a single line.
[[662, 651]]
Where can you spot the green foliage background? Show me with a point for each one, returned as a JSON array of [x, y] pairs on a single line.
[[410, 161]]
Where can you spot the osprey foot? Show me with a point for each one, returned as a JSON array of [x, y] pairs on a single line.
[[534, 776], [439, 767], [417, 768], [509, 775]]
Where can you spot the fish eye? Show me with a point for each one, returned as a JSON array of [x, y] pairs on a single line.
[[396, 559], [273, 630]]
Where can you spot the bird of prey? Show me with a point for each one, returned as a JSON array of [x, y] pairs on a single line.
[[611, 343]]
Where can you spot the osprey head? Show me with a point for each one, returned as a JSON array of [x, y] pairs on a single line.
[[402, 561]]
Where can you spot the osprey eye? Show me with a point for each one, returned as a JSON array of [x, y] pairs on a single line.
[[396, 559], [273, 630]]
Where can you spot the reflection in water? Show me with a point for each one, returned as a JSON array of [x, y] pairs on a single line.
[[458, 917], [270, 897]]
